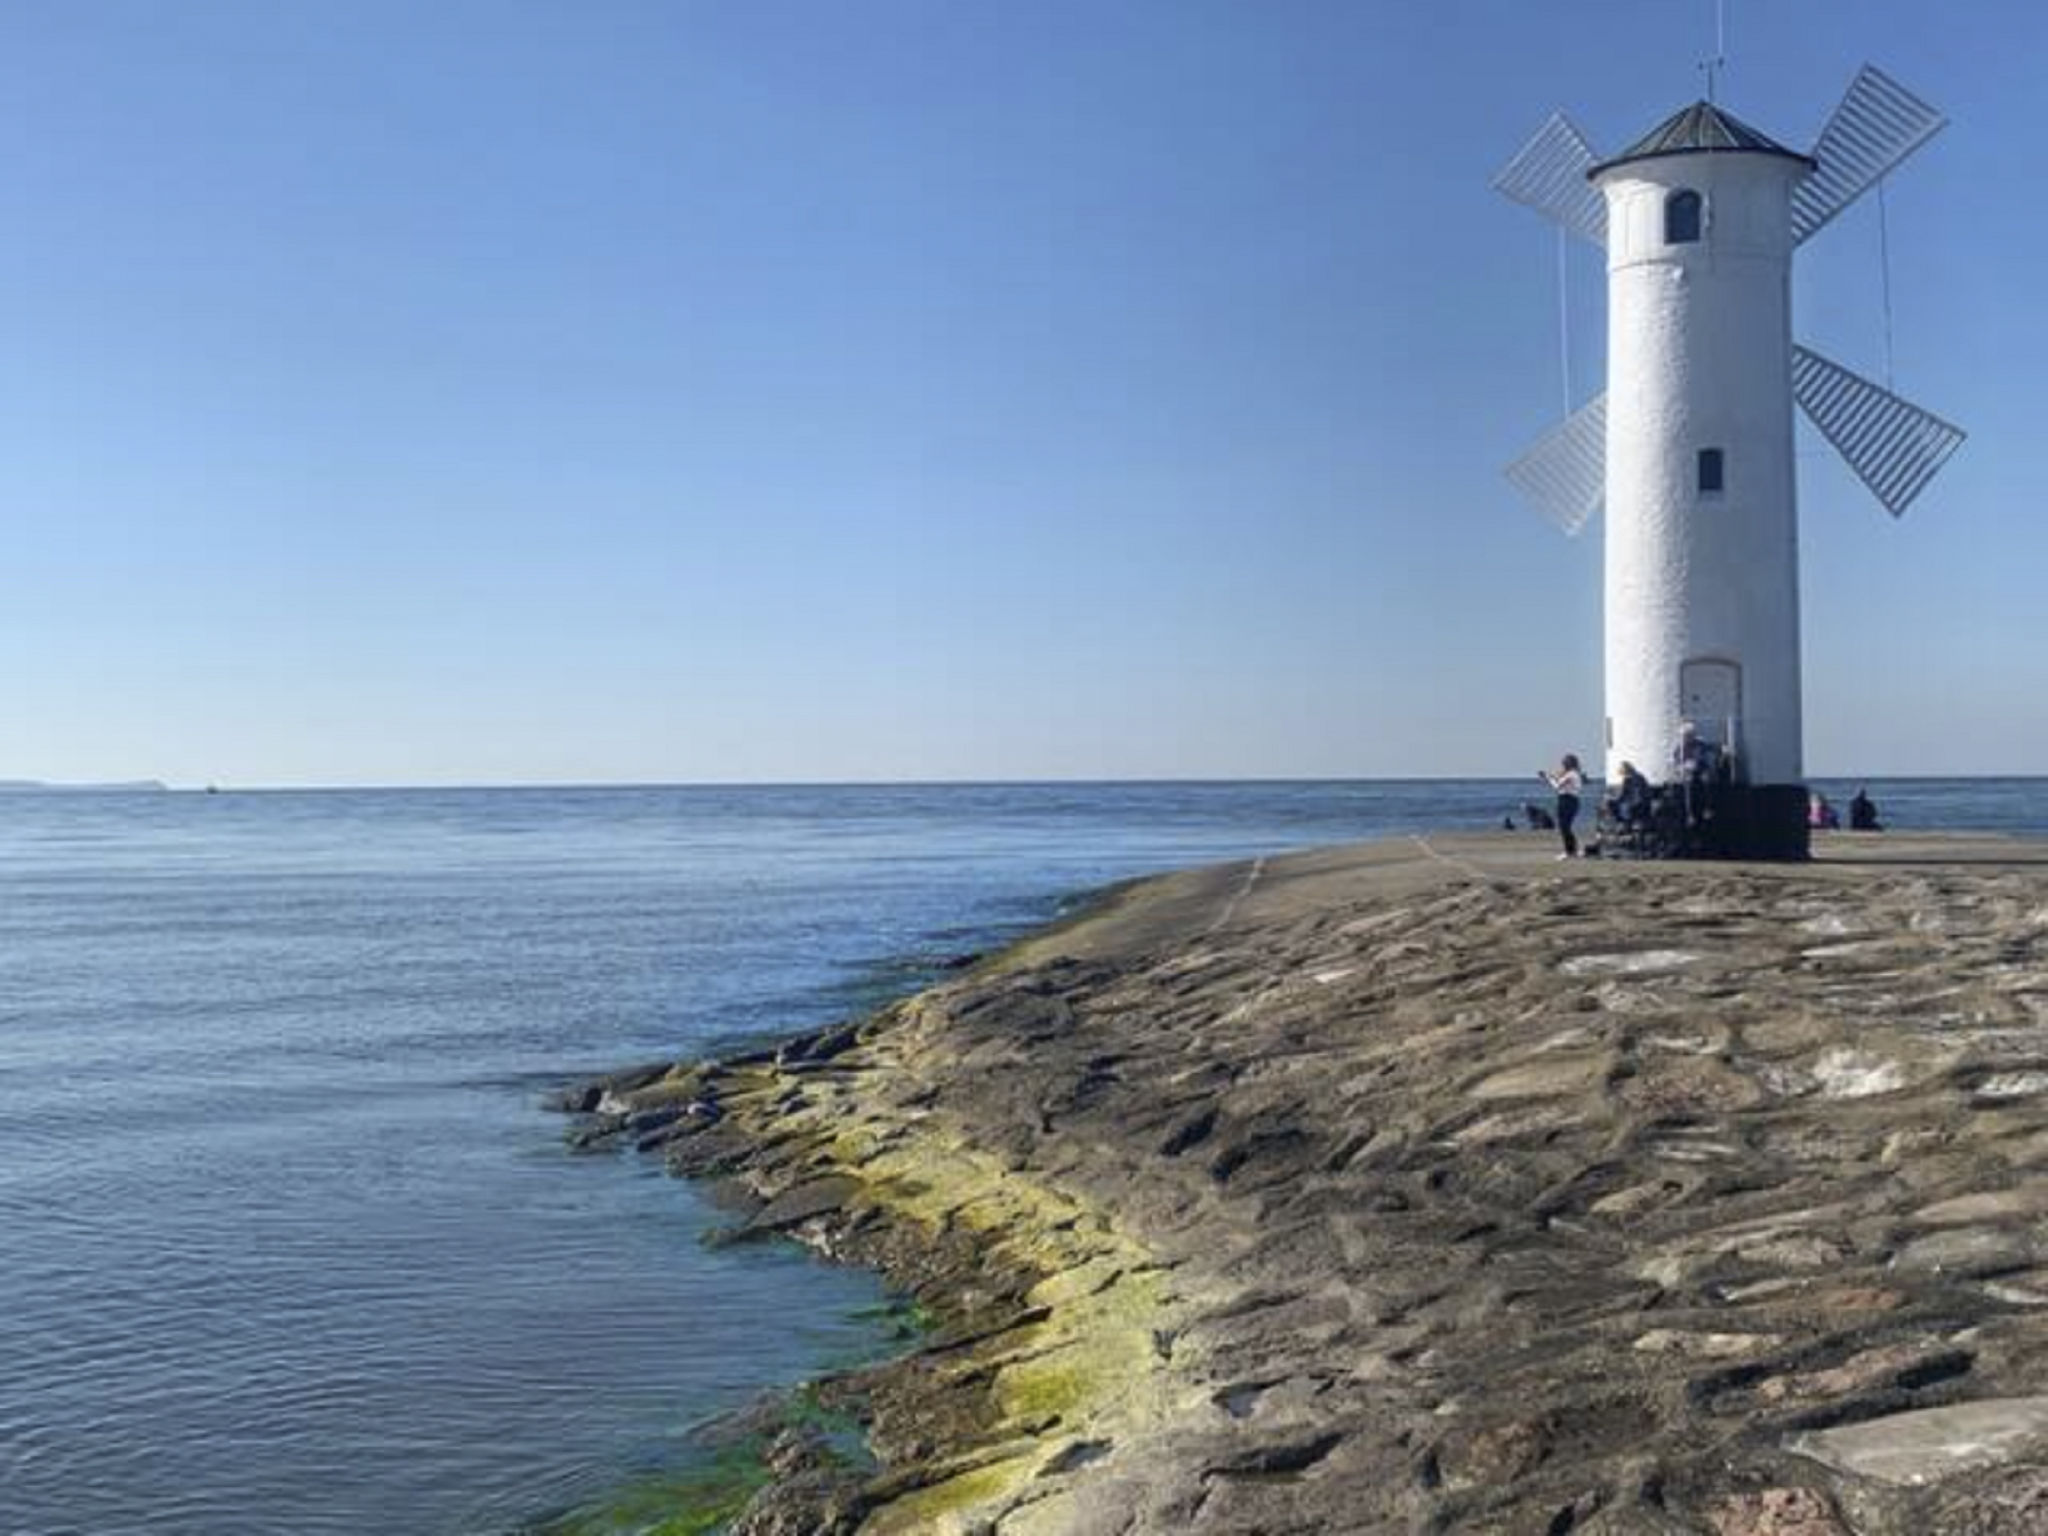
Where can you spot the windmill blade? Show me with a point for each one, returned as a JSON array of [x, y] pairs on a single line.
[[1878, 123], [1565, 474], [1549, 174], [1894, 447]]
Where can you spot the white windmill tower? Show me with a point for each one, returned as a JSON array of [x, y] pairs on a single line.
[[1691, 446]]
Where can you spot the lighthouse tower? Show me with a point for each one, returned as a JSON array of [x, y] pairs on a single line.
[[1702, 558], [1691, 446]]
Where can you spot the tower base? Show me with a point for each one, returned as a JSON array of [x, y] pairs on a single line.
[[1712, 820], [1753, 821]]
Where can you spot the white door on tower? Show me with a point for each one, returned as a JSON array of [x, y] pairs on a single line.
[[1710, 696]]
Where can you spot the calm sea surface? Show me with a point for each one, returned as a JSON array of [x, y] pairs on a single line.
[[286, 1243]]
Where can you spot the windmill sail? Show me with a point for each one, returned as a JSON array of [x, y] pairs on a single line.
[[1565, 474], [1878, 123], [1895, 448], [1549, 174]]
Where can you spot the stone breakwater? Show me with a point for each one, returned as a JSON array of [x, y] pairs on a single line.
[[1431, 1186]]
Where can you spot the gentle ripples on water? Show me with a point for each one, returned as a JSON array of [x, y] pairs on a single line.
[[286, 1244]]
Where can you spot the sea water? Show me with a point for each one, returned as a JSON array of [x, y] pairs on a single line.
[[287, 1242]]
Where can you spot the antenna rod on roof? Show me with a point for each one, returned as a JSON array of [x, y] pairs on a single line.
[[1719, 61]]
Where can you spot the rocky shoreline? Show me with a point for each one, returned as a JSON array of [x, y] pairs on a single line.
[[1431, 1186]]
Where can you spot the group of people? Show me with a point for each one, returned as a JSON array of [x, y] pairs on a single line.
[[1627, 803], [1695, 763], [1630, 801], [1822, 816]]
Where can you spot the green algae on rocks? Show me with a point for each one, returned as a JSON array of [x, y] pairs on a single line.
[[697, 1502], [1044, 1318]]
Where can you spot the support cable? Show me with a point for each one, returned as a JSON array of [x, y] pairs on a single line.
[[1564, 319], [1884, 258]]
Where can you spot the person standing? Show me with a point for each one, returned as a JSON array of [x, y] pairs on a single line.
[[1569, 783]]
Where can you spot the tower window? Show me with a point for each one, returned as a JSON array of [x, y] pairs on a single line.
[[1710, 469], [1682, 218]]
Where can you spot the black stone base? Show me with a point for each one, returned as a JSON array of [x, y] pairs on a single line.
[[1710, 821], [1751, 821]]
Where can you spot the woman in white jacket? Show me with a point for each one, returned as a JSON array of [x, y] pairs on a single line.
[[1569, 783]]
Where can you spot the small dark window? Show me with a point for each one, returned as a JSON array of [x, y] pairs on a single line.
[[1710, 469], [1681, 218]]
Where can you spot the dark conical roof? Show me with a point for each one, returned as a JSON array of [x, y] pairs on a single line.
[[1701, 128]]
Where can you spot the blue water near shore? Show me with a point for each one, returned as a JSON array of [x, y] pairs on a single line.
[[286, 1242]]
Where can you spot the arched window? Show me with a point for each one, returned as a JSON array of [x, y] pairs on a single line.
[[1710, 470], [1681, 218]]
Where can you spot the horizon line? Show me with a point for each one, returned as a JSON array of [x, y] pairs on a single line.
[[161, 786]]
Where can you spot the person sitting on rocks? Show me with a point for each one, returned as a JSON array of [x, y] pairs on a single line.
[[1628, 803]]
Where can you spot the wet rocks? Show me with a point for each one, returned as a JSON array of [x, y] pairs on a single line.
[[805, 1202], [585, 1097], [816, 1049]]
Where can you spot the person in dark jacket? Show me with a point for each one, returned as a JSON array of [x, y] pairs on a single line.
[[1628, 803]]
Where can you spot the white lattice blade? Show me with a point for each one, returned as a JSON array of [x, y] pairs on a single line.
[[1549, 174], [1894, 447], [1565, 474], [1878, 124]]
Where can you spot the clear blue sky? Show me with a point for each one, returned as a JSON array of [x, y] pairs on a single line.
[[535, 390]]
